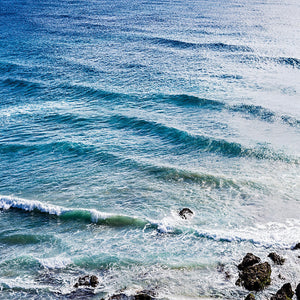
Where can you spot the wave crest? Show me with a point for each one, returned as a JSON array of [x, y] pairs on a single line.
[[81, 214]]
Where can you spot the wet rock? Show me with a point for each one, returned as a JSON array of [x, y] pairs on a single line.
[[238, 282], [296, 247], [250, 297], [87, 281], [142, 297], [149, 292], [249, 260], [256, 277], [298, 291], [278, 260], [139, 296], [285, 293], [186, 213], [281, 277], [287, 290], [94, 280]]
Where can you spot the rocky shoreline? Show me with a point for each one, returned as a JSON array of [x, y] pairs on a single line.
[[253, 275], [256, 276]]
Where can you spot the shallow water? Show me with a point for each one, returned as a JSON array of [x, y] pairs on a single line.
[[115, 115]]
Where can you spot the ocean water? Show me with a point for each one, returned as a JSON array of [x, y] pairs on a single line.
[[114, 115]]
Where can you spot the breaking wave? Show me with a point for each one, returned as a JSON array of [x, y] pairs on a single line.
[[81, 214]]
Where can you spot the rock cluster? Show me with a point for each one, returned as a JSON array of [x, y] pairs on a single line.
[[254, 276], [87, 281]]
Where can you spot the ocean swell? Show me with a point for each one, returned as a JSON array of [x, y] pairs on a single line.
[[254, 111], [212, 46], [196, 142]]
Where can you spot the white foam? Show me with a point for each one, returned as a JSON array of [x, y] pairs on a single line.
[[7, 202], [55, 262], [98, 215], [169, 223], [274, 234], [31, 109]]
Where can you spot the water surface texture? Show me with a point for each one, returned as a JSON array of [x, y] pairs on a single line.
[[114, 115]]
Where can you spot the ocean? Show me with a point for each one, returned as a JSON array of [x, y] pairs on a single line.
[[115, 115]]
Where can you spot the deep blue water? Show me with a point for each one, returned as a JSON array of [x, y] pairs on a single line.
[[114, 115]]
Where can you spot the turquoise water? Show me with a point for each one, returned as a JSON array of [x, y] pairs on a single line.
[[115, 115]]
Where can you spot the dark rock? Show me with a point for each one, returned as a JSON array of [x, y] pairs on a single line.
[[185, 213], [296, 247], [139, 296], [87, 280], [150, 292], [287, 289], [255, 278], [281, 277], [250, 297], [278, 260], [238, 282], [285, 293], [249, 260], [142, 297], [298, 291], [94, 281]]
